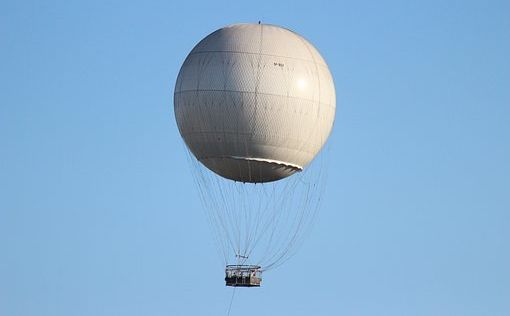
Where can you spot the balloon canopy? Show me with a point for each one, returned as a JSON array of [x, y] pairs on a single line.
[[254, 102]]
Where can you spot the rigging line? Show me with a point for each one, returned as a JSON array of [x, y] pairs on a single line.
[[224, 212], [271, 222], [314, 201], [240, 213], [294, 243], [254, 219], [271, 225], [231, 301], [212, 207], [295, 247], [250, 193], [246, 223], [233, 210], [234, 213], [317, 191], [255, 212], [282, 242], [280, 217], [297, 221], [212, 227], [283, 251], [238, 219], [209, 210], [278, 207], [259, 218], [285, 242], [238, 209]]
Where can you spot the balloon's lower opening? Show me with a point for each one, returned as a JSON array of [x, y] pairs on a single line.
[[249, 169]]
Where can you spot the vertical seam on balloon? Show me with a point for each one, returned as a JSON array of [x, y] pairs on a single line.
[[225, 105], [320, 92], [257, 83]]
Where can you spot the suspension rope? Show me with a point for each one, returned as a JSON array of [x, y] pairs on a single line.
[[231, 301]]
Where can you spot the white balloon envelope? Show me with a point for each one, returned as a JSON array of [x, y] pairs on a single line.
[[254, 102]]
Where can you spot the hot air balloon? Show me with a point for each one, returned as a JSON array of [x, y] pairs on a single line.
[[255, 104]]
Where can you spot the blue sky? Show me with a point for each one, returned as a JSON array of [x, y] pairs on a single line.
[[99, 214]]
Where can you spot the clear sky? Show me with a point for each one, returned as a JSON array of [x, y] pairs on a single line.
[[98, 210]]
